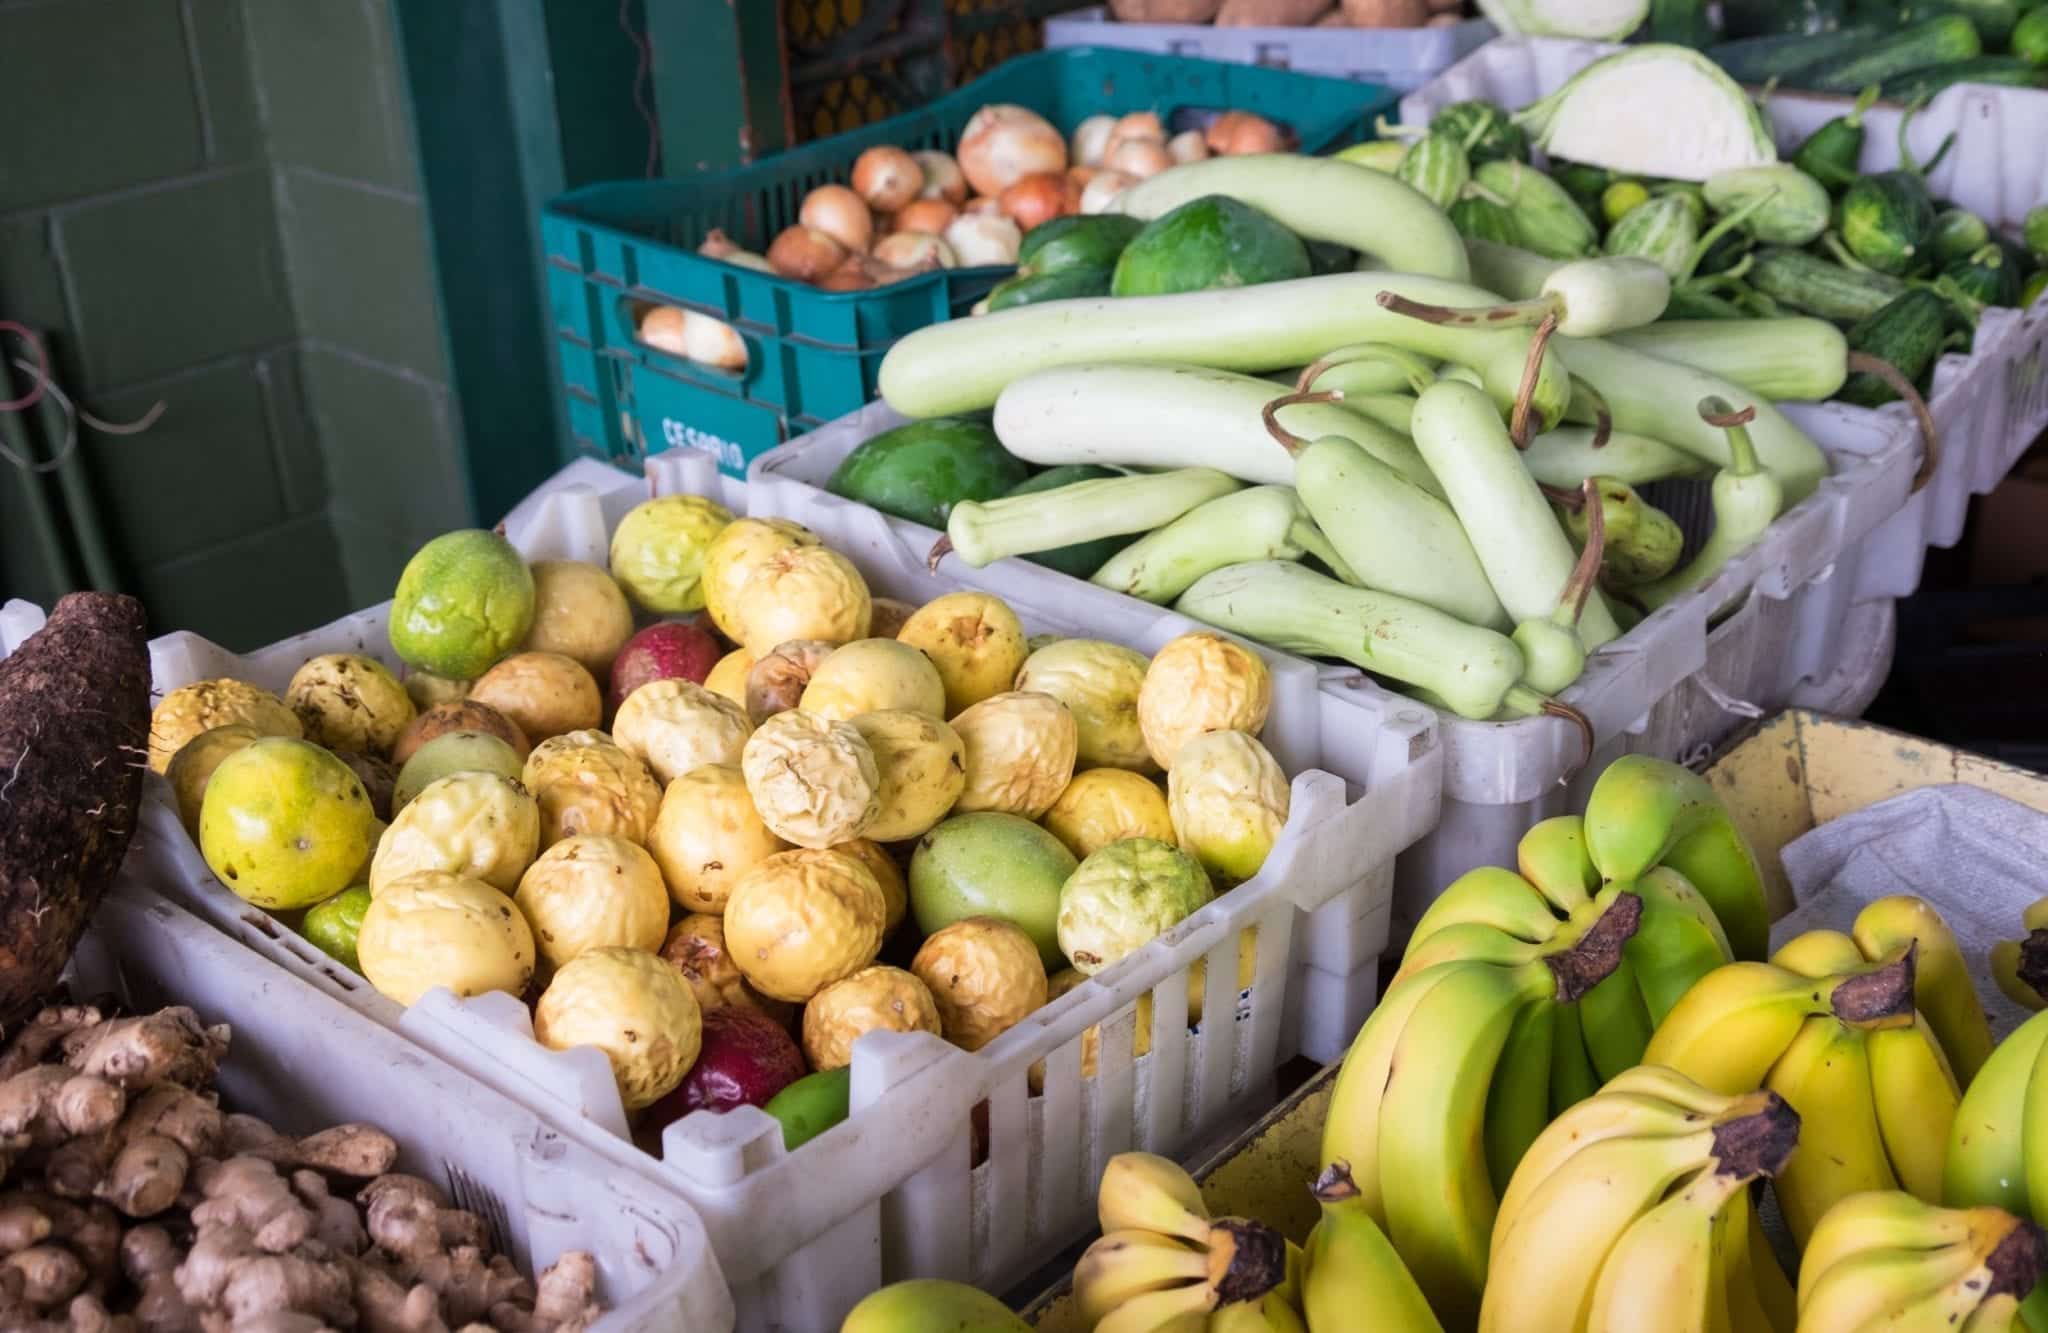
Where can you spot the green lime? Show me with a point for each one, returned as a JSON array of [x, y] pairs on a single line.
[[812, 1105], [332, 926]]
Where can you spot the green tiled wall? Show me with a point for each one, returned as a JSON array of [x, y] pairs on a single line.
[[221, 210]]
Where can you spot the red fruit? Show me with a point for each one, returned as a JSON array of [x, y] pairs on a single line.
[[747, 1057], [685, 648]]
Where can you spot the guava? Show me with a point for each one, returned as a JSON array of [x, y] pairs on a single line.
[[1105, 805], [879, 998], [1229, 803], [991, 864], [658, 551], [1098, 682], [191, 710], [985, 976], [333, 926], [633, 1007], [450, 753], [1020, 753], [974, 639], [464, 600], [1125, 896], [284, 823]]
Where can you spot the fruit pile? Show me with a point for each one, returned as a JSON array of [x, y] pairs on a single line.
[[698, 842], [1578, 1089]]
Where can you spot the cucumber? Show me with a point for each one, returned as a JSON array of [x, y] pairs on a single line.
[[1485, 131], [1318, 199], [1792, 358], [1546, 219], [1759, 59], [1661, 231], [1832, 153], [919, 471], [1908, 332], [2004, 71], [1689, 302], [1436, 165], [1940, 41], [1059, 285], [2030, 37], [1214, 241], [1587, 185], [1093, 241], [1993, 19], [1985, 277], [1775, 18], [1817, 286], [1483, 220], [1082, 559], [1793, 207], [1887, 221], [1682, 21], [1958, 233]]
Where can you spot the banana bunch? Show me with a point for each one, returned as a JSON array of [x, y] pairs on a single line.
[[1646, 812], [1839, 1038], [1942, 990], [1998, 1150], [1886, 1260], [1517, 995], [1632, 1212], [2021, 966], [1162, 1264], [1354, 1279]]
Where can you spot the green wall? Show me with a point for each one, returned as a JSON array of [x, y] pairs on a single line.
[[216, 204]]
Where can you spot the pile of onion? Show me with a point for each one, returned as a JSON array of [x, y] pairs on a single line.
[[705, 339]]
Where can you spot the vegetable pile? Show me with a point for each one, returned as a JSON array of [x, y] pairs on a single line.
[[721, 811], [135, 1202], [1293, 13]]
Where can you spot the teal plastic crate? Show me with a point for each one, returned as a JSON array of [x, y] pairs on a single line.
[[812, 355]]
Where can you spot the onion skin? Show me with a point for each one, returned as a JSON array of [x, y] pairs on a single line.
[[840, 214], [1187, 146], [852, 276], [1004, 143], [662, 327], [983, 240], [1036, 199], [1139, 158], [1139, 125], [942, 177], [931, 216], [887, 178], [1091, 140], [805, 253], [913, 251], [981, 206], [1100, 193], [1235, 133], [713, 342]]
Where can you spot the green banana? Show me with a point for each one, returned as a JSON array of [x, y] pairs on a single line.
[[1552, 855], [1679, 941], [1616, 1021], [1518, 1103], [1987, 1160]]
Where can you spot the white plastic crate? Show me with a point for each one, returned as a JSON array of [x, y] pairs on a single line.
[[1989, 404], [1666, 688], [1399, 58], [304, 1062], [898, 1190]]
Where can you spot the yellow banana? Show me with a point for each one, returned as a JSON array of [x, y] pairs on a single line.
[[2000, 1314], [1610, 1115], [1175, 1310], [931, 1305], [1489, 896], [1121, 1265], [1773, 1289], [1679, 941], [1819, 953], [1432, 1160], [1354, 1277], [1145, 1192], [1915, 1097], [1662, 1274], [1759, 1298], [1879, 1220], [1942, 990], [1548, 1256], [2013, 961], [1987, 1160], [1269, 1314], [1933, 1286], [1518, 1102], [1552, 855], [1671, 1087], [1466, 942], [1351, 1130], [1825, 1074], [1645, 812], [1735, 1022], [2034, 1141]]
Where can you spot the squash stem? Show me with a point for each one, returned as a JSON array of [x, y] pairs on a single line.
[[1864, 101], [1270, 414], [1721, 414], [1528, 702], [1586, 401], [1563, 497], [1522, 425], [1508, 315], [1841, 254], [1930, 458], [1387, 129], [940, 550], [1420, 375], [1572, 603]]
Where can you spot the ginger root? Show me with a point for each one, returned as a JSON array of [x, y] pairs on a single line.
[[361, 1151], [50, 1104], [168, 1046], [42, 1034]]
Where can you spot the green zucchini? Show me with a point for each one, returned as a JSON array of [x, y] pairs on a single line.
[[1759, 59], [1484, 220], [1682, 21], [1485, 131], [920, 470], [1958, 233], [1082, 559], [983, 532], [1789, 359], [1817, 286], [1940, 41], [2004, 71], [1774, 18], [1059, 285], [1993, 19], [1546, 219], [1832, 153], [1888, 221], [1436, 165], [1908, 332], [1215, 241], [1091, 241]]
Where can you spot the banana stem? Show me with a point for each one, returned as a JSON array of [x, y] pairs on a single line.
[[1594, 956], [1759, 1143], [2033, 966], [1270, 414], [1881, 998]]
